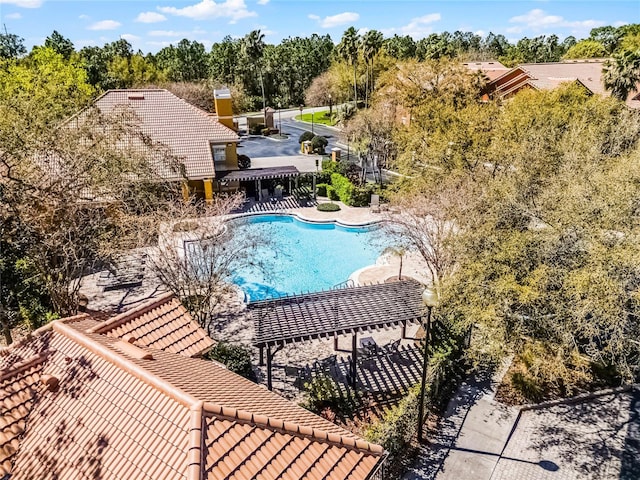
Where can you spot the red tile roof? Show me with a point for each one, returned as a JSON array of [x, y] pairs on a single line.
[[161, 323], [185, 129], [119, 410], [547, 76]]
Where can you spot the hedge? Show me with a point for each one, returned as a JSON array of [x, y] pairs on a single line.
[[321, 189], [331, 193], [343, 188], [237, 358], [328, 207], [305, 137], [318, 144]]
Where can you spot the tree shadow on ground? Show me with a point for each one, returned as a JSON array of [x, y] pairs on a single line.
[[588, 436]]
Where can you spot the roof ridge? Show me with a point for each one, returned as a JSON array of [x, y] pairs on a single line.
[[138, 310], [292, 428], [208, 115], [31, 335], [112, 355], [19, 367]]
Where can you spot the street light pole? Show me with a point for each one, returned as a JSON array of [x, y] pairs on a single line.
[[311, 122], [279, 118], [430, 299]]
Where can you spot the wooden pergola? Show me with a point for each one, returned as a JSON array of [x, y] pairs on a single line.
[[327, 314], [258, 174]]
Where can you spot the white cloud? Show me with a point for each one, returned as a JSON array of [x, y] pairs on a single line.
[[418, 27], [150, 17], [537, 20], [263, 2], [313, 17], [84, 17], [337, 20], [363, 30], [208, 9], [130, 37], [104, 25], [13, 16], [167, 33], [23, 3], [620, 23], [158, 44]]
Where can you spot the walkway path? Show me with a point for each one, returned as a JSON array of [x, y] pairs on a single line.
[[589, 437], [470, 437]]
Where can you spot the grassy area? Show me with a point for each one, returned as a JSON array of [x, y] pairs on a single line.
[[318, 117]]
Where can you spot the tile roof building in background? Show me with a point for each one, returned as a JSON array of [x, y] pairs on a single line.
[[200, 141], [79, 401], [547, 76]]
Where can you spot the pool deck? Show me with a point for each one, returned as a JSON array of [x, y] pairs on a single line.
[[386, 267]]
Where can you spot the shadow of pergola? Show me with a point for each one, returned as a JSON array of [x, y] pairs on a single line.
[[382, 379]]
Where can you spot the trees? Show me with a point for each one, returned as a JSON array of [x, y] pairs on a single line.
[[621, 73], [586, 49], [11, 46], [347, 49], [187, 61], [253, 48], [60, 176], [198, 252], [371, 43], [539, 246], [59, 44]]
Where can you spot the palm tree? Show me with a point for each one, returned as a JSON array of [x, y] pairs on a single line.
[[621, 73], [348, 50], [253, 48], [371, 44]]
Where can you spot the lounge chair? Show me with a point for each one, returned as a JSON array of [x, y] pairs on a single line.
[[374, 205]]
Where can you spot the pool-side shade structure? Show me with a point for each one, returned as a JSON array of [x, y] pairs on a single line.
[[326, 314]]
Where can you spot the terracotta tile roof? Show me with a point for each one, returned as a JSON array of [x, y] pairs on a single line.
[[547, 76], [161, 323], [185, 129], [117, 410], [18, 390]]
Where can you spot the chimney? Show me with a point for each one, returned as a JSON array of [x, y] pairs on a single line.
[[222, 104]]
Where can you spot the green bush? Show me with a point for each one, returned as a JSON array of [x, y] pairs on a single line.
[[332, 194], [397, 427], [328, 207], [257, 129], [321, 189], [236, 358], [329, 166], [361, 196], [305, 137], [318, 144], [243, 162], [322, 392], [343, 188]]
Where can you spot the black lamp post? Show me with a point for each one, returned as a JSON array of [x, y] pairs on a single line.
[[430, 299], [330, 108], [279, 118], [311, 122]]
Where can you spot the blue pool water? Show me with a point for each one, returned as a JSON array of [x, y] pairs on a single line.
[[303, 257]]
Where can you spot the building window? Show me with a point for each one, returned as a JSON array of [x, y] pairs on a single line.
[[219, 153]]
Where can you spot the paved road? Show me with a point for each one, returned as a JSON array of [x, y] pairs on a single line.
[[258, 146]]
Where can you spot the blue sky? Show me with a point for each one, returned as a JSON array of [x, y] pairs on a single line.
[[151, 24]]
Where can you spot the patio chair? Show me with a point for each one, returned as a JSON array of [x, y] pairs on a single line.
[[374, 204], [391, 348]]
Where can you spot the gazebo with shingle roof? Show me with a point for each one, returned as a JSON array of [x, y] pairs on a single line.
[[326, 314]]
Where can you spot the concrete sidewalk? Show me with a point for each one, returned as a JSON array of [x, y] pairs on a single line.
[[471, 435]]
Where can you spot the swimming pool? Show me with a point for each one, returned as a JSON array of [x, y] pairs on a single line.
[[303, 256]]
